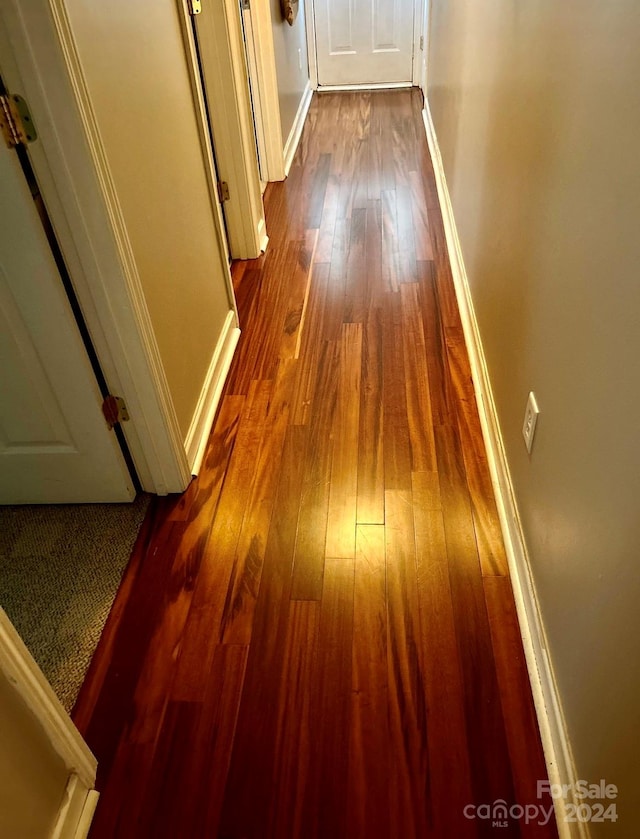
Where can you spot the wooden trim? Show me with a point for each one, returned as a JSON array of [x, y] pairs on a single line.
[[553, 731], [207, 151], [296, 129], [256, 95], [88, 811], [312, 54], [76, 811], [263, 239], [418, 24], [265, 82], [40, 59], [223, 61], [18, 666], [198, 434]]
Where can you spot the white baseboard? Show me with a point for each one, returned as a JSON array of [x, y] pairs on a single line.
[[76, 811], [555, 741], [88, 811], [377, 86], [296, 129], [198, 434], [263, 239]]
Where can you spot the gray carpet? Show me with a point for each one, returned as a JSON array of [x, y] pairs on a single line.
[[60, 568]]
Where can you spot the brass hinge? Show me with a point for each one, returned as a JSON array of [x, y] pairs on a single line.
[[114, 410], [195, 7], [223, 191], [422, 42], [15, 121]]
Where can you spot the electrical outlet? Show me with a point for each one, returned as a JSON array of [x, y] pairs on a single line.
[[530, 420], [300, 59]]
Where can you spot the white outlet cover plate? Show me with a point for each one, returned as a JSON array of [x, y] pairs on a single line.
[[530, 419]]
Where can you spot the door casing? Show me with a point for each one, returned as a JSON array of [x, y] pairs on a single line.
[[41, 62]]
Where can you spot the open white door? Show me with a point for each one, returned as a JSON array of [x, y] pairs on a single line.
[[55, 446], [47, 772], [364, 42]]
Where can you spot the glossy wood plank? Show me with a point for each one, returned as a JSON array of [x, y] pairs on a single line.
[[308, 563], [407, 707], [485, 514], [419, 212], [396, 442], [405, 235], [440, 387], [295, 726], [443, 277], [248, 791], [357, 279], [301, 256], [242, 592], [180, 775], [370, 501], [202, 629], [420, 419], [325, 804], [391, 269], [481, 696], [343, 492], [450, 783], [369, 743]]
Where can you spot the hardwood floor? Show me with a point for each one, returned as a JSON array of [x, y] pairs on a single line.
[[319, 638]]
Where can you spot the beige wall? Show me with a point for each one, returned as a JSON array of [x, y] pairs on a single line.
[[33, 777], [536, 106], [292, 80], [136, 70]]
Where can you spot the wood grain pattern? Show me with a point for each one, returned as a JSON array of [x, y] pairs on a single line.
[[450, 782], [485, 514], [325, 804], [423, 448], [370, 503], [369, 743], [483, 713], [308, 563], [407, 706], [318, 639], [343, 492], [295, 726]]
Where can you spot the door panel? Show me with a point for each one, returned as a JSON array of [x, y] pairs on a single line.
[[364, 41], [55, 446]]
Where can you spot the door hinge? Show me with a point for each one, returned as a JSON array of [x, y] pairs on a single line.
[[223, 191], [246, 5], [195, 7], [114, 410], [422, 42], [15, 121]]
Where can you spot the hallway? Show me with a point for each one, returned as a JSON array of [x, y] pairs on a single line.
[[319, 638]]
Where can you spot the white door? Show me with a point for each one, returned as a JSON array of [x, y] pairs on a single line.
[[55, 446], [364, 41]]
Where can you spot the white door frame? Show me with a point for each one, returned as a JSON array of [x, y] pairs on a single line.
[[261, 62], [418, 31], [41, 62], [224, 69], [22, 672]]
